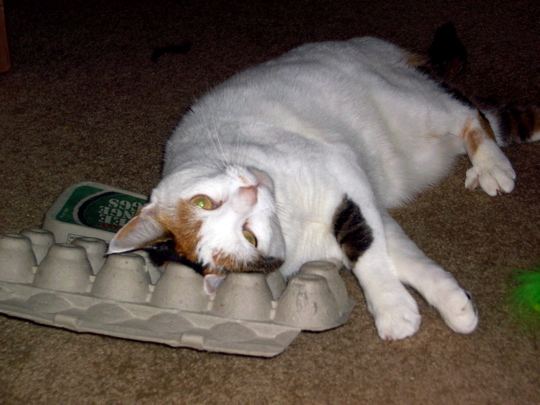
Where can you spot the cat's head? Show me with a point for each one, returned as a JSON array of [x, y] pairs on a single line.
[[223, 220]]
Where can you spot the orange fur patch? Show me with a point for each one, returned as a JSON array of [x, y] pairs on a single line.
[[243, 180], [226, 262], [475, 132], [471, 138], [414, 60], [185, 230], [484, 123]]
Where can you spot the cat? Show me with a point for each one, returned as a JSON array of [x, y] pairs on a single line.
[[299, 158]]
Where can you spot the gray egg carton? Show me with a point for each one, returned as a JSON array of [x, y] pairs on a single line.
[[74, 286]]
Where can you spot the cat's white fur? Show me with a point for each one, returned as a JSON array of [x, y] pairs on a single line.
[[321, 122]]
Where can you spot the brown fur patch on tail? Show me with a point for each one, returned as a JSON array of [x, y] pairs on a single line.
[[518, 124]]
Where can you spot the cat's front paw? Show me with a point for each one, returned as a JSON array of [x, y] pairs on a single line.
[[457, 310], [493, 178], [397, 318]]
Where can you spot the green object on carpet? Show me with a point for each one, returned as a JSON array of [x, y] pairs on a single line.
[[525, 297]]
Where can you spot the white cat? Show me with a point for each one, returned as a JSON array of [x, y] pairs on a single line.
[[299, 158]]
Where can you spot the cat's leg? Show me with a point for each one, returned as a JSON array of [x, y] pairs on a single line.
[[436, 285], [394, 309], [491, 169], [361, 237]]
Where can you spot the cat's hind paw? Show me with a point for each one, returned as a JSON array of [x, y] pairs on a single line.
[[398, 319], [493, 180]]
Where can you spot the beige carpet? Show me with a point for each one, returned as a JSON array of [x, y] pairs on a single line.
[[85, 102]]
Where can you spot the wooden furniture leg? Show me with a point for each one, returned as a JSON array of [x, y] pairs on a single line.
[[5, 58]]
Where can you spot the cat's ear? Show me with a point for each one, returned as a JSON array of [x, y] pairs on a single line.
[[447, 53], [143, 229]]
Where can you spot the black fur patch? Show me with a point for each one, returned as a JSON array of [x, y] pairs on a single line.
[[352, 232], [161, 253]]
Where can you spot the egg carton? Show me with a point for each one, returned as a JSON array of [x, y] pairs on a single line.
[[76, 287]]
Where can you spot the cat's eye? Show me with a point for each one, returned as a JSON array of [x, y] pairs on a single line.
[[250, 237], [203, 202]]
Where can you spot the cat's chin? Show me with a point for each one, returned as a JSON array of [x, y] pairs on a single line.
[[212, 282]]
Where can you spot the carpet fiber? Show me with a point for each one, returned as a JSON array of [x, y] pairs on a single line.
[[86, 102]]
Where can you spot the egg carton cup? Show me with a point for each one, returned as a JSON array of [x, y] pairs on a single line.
[[76, 287]]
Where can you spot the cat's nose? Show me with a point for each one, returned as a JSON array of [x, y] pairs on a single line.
[[245, 199], [248, 195]]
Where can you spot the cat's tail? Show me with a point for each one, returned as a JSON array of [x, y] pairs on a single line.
[[447, 58], [513, 124]]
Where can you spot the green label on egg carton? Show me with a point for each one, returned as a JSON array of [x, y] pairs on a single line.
[[100, 209]]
